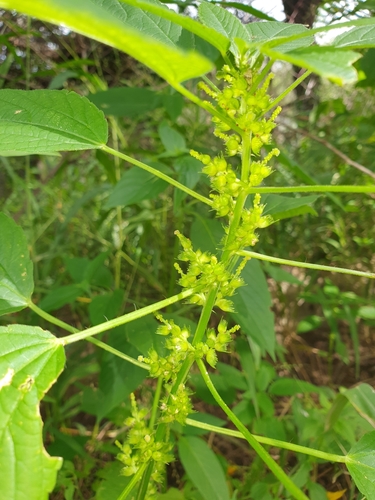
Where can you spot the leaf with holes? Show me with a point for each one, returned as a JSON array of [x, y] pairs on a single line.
[[16, 268], [46, 121], [31, 359]]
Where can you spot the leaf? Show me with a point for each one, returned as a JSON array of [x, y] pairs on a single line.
[[362, 398], [290, 387], [16, 268], [283, 207], [246, 8], [59, 297], [135, 185], [362, 37], [223, 22], [205, 234], [252, 307], [46, 121], [112, 482], [335, 495], [366, 312], [31, 359], [203, 468], [324, 61], [172, 140], [360, 462], [209, 35], [261, 32], [147, 39], [126, 101]]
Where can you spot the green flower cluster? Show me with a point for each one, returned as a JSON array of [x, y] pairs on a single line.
[[204, 272], [140, 446], [215, 342]]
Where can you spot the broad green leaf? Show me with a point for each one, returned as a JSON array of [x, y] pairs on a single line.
[[106, 306], [261, 32], [282, 207], [210, 35], [223, 22], [290, 387], [324, 61], [46, 121], [135, 185], [206, 233], [362, 398], [112, 483], [59, 297], [252, 304], [366, 312], [362, 37], [172, 140], [31, 359], [361, 464], [149, 40], [203, 468], [16, 268], [280, 275], [126, 101], [117, 379], [189, 171]]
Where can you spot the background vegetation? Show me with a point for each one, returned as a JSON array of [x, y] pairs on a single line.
[[101, 236]]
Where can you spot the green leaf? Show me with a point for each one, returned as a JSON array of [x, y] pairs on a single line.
[[203, 468], [46, 121], [126, 101], [366, 312], [283, 207], [246, 8], [263, 32], [362, 37], [205, 234], [31, 359], [327, 62], [135, 185], [252, 307], [290, 387], [209, 35], [172, 140], [106, 306], [59, 297], [16, 268], [361, 465], [146, 38], [362, 398], [112, 482], [223, 22]]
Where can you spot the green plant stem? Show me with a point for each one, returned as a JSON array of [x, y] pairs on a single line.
[[261, 76], [207, 106], [241, 199], [313, 189], [134, 480], [306, 265], [157, 173], [142, 490], [96, 342], [330, 457], [262, 453], [155, 403], [126, 318], [287, 91]]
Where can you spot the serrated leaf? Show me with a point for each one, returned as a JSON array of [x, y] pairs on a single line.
[[324, 61], [283, 207], [31, 359], [147, 39], [261, 32], [203, 468], [252, 304], [360, 462], [16, 268], [362, 37], [46, 121]]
